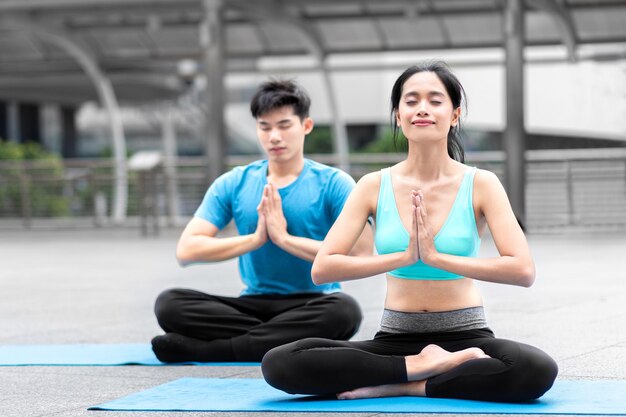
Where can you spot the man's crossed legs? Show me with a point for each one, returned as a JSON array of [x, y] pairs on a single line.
[[201, 327]]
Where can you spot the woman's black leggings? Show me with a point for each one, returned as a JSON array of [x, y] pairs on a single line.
[[514, 372]]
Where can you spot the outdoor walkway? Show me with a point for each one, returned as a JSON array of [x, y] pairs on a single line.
[[98, 286]]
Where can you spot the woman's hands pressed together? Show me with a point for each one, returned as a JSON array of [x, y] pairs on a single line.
[[421, 241]]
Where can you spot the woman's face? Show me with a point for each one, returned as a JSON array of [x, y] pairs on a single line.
[[425, 111]]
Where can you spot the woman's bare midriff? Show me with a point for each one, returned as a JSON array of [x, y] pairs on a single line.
[[416, 296]]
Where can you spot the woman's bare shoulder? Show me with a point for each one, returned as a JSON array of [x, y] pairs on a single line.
[[485, 179], [366, 190], [488, 190], [370, 180]]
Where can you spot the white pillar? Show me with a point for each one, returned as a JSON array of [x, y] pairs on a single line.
[[168, 131], [13, 121], [514, 134], [212, 41], [340, 134]]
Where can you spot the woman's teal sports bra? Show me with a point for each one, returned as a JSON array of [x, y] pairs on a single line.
[[458, 235]]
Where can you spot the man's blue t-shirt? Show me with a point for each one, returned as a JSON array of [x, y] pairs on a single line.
[[310, 204]]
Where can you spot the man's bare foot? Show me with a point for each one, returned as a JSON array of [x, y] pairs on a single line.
[[414, 389], [434, 360]]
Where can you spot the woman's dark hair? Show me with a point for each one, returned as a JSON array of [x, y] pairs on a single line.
[[274, 94], [455, 91]]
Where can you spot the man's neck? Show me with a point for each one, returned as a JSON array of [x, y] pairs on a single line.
[[282, 174]]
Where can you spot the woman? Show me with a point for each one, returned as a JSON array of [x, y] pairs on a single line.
[[430, 212]]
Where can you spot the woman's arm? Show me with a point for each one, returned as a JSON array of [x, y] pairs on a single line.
[[514, 266], [334, 261]]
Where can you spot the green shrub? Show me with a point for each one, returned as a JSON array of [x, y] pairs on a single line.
[[320, 140], [45, 180], [386, 144], [11, 151]]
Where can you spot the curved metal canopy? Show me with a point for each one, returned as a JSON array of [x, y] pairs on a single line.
[[138, 43]]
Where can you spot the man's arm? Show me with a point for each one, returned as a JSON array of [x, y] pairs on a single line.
[[198, 242], [302, 247], [307, 249]]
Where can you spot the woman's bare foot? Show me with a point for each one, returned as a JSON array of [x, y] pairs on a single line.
[[434, 360], [431, 361], [414, 389]]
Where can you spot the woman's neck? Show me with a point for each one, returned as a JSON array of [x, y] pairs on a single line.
[[427, 162]]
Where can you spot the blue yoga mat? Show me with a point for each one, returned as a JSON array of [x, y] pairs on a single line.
[[89, 355], [211, 394]]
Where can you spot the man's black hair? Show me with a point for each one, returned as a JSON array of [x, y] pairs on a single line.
[[274, 94]]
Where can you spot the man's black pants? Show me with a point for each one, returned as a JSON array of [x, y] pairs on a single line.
[[210, 328]]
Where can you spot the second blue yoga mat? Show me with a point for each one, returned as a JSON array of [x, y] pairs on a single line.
[[88, 355], [211, 394]]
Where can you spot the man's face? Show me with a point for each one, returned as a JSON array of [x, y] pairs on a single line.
[[282, 133]]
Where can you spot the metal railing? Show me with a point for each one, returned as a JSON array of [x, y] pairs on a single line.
[[583, 187]]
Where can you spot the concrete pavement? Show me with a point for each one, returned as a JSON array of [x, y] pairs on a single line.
[[98, 286]]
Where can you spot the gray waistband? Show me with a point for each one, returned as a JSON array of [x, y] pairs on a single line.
[[445, 321]]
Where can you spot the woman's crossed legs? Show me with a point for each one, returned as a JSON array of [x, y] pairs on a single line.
[[470, 364]]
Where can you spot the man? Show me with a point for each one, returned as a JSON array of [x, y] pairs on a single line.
[[283, 207]]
